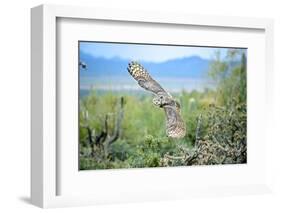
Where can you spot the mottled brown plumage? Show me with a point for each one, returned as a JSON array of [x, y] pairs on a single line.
[[175, 126]]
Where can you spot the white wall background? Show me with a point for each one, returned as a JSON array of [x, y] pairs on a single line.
[[15, 104]]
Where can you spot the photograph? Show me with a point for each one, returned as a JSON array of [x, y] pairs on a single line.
[[161, 105]]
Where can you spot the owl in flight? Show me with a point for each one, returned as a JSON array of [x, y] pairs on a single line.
[[175, 126]]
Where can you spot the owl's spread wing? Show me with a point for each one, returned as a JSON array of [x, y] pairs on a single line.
[[143, 78], [175, 126]]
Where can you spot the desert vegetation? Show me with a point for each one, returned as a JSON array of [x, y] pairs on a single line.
[[120, 130]]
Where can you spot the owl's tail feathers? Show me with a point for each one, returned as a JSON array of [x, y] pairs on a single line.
[[179, 131]]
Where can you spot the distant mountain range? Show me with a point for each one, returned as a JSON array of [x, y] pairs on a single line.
[[193, 67]]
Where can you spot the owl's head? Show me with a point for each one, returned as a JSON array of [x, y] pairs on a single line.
[[164, 100]]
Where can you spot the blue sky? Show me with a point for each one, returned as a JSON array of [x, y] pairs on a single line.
[[188, 74], [149, 53]]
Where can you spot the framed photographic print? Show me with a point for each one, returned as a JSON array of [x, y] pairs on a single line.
[[149, 106]]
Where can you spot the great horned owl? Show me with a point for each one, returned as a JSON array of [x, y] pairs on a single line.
[[175, 126]]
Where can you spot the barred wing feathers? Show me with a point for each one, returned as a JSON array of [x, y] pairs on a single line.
[[175, 126]]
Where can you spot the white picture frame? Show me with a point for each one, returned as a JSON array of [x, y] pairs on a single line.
[[44, 154]]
